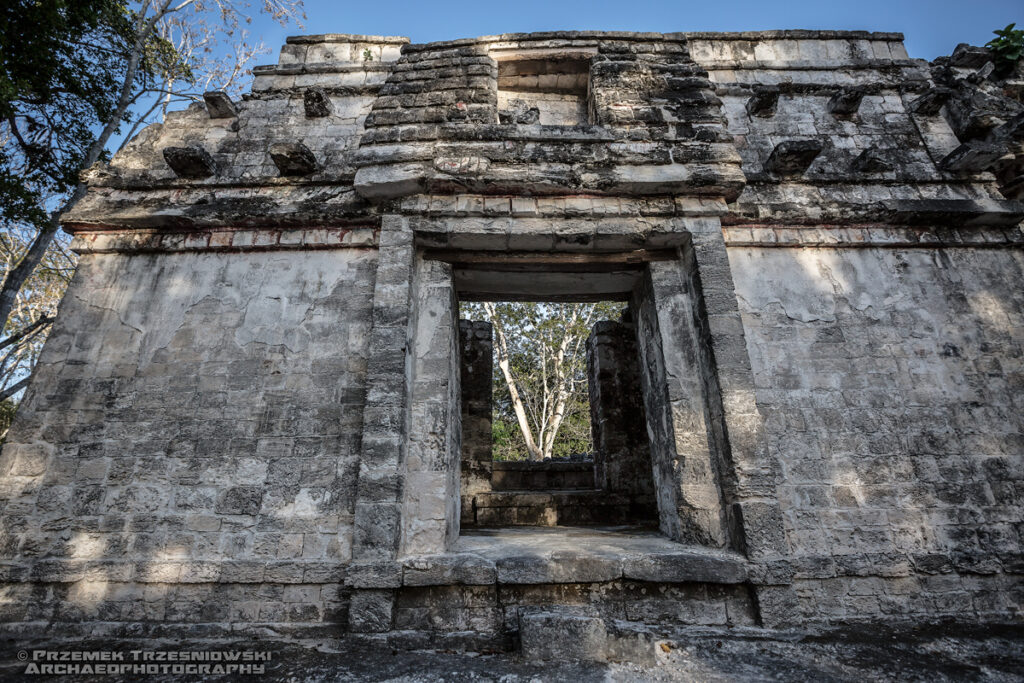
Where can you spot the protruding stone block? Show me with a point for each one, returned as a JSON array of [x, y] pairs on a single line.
[[872, 161], [190, 162], [558, 635], [316, 102], [845, 102], [972, 157], [793, 157], [763, 103], [931, 102], [1014, 188], [293, 158], [219, 105]]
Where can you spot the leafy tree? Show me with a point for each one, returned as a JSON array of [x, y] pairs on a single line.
[[72, 73], [59, 63], [541, 406]]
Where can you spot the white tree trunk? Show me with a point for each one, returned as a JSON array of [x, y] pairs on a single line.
[[517, 402]]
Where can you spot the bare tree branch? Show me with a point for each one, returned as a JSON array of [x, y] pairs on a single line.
[[13, 389]]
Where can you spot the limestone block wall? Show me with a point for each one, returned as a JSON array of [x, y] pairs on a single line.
[[891, 383], [475, 346], [249, 409], [188, 450], [623, 454], [684, 454], [431, 488]]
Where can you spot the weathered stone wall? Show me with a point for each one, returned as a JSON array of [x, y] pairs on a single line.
[[249, 409], [431, 477], [683, 452], [891, 382], [622, 450], [495, 610], [193, 425], [475, 349], [528, 475]]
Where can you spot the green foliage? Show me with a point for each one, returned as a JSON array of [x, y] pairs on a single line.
[[7, 409], [61, 63], [1007, 48], [534, 332], [506, 439]]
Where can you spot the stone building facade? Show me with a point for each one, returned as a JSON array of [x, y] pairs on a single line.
[[258, 411]]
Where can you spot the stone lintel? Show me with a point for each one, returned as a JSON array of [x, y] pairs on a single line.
[[392, 181]]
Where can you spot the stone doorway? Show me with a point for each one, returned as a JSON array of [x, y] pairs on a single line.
[[612, 484], [688, 453], [686, 474]]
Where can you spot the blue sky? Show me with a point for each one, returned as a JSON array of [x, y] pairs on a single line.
[[932, 27]]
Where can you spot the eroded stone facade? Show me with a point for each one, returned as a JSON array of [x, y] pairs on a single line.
[[258, 408]]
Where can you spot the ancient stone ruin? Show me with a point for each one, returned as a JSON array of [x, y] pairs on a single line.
[[259, 413]]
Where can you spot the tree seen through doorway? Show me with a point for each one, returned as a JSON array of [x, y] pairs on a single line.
[[540, 402]]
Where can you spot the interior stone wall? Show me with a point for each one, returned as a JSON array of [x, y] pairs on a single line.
[[193, 424], [622, 451], [475, 356], [686, 477], [891, 382]]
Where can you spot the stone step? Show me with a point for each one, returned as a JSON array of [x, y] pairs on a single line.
[[542, 476], [572, 507]]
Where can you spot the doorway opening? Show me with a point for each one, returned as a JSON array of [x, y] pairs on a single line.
[[553, 423], [646, 388]]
